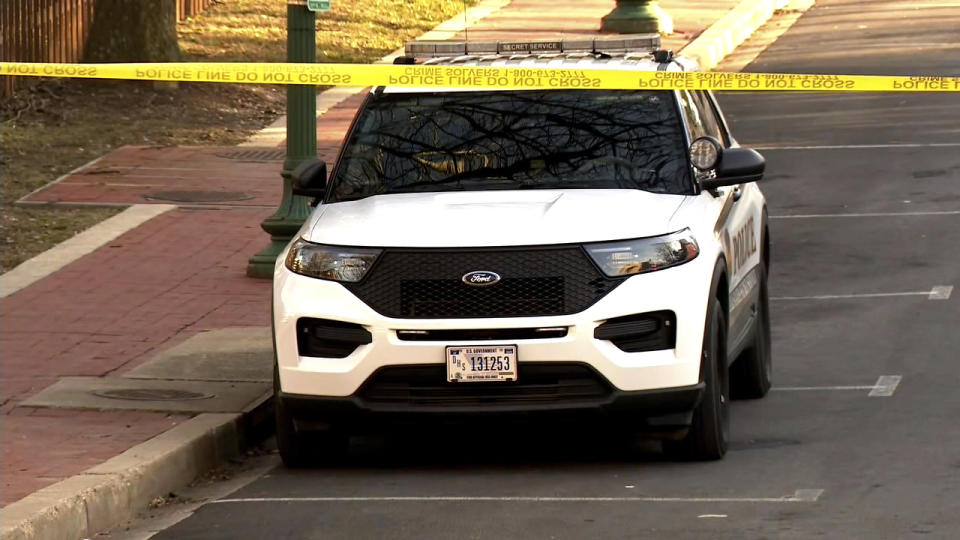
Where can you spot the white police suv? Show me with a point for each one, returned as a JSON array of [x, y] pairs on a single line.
[[491, 252]]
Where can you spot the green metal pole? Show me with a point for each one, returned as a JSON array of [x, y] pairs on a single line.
[[637, 17], [301, 141]]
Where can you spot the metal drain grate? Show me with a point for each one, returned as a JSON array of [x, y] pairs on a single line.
[[198, 196], [255, 155], [151, 394]]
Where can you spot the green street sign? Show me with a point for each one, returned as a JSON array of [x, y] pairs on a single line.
[[318, 5]]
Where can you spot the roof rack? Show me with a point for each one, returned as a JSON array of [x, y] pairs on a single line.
[[620, 44]]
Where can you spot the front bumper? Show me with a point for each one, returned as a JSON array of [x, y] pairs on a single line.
[[682, 289], [661, 410]]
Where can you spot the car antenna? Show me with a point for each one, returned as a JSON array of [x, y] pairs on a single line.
[[466, 24]]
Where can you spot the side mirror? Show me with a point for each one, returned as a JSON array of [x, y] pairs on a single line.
[[740, 165], [310, 179], [732, 165]]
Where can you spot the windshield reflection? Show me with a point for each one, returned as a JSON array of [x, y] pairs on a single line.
[[460, 141]]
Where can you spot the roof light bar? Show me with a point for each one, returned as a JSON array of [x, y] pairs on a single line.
[[620, 44]]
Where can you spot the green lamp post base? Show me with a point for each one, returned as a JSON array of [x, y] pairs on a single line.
[[637, 17], [260, 266], [281, 227]]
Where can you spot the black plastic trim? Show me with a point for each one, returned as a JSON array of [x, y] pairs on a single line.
[[636, 404], [329, 339], [653, 331], [483, 334]]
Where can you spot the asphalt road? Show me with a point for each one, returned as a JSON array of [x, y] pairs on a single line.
[[864, 195]]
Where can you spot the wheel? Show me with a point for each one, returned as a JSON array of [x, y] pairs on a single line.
[[290, 444], [750, 375], [304, 448], [710, 429]]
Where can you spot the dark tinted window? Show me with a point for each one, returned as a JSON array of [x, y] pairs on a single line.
[[471, 141]]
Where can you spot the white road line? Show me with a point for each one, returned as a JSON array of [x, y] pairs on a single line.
[[807, 495], [708, 516], [886, 386], [868, 214], [937, 292], [815, 388], [800, 495], [855, 146], [845, 296], [941, 292]]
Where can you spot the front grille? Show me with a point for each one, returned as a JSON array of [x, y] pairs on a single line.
[[483, 334], [537, 383], [426, 284]]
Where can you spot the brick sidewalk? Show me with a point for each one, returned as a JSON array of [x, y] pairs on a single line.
[[182, 272], [529, 19], [155, 286]]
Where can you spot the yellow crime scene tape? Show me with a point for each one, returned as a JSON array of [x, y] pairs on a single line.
[[480, 77]]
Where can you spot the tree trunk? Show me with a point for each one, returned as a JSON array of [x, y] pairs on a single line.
[[133, 31]]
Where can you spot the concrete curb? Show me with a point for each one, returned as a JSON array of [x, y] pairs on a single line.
[[115, 491], [723, 36]]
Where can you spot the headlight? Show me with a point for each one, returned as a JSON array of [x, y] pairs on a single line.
[[630, 257], [330, 262]]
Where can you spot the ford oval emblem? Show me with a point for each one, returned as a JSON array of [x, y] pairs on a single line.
[[481, 278]]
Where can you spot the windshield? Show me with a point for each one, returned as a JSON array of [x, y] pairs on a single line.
[[473, 141]]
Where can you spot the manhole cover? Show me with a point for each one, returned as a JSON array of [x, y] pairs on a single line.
[[255, 155], [198, 196], [151, 394]]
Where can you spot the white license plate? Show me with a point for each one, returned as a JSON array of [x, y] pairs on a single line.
[[482, 364]]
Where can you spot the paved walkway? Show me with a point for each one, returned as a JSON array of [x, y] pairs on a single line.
[[153, 287], [181, 272]]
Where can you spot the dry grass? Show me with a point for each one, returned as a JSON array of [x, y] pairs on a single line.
[[53, 128], [49, 129], [352, 31]]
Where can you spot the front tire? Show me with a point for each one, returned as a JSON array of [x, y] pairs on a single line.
[[710, 429], [300, 449], [751, 374]]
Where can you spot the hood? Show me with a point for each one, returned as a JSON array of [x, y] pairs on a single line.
[[493, 218]]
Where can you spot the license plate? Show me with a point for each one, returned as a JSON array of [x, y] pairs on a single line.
[[482, 364]]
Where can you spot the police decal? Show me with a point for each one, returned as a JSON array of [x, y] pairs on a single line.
[[741, 246]]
